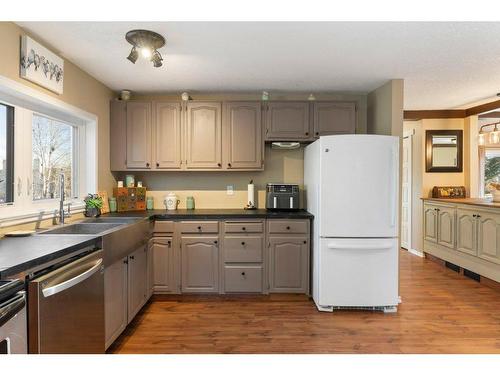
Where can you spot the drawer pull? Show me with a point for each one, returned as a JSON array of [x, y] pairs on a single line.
[[243, 274], [199, 228], [305, 241], [288, 228], [215, 242], [243, 243], [243, 228]]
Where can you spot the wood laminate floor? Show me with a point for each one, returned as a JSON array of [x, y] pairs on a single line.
[[442, 312]]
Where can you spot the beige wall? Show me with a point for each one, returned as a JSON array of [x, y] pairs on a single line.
[[80, 90], [385, 109], [209, 188]]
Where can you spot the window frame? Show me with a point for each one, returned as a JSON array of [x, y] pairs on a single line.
[[27, 101], [10, 150]]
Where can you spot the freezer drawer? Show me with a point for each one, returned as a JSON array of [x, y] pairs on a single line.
[[358, 272], [66, 308]]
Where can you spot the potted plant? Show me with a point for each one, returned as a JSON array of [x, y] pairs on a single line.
[[93, 205]]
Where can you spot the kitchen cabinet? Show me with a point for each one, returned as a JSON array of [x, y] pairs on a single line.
[[466, 231], [287, 121], [203, 142], [488, 236], [150, 271], [200, 263], [116, 300], [242, 136], [430, 222], [139, 135], [163, 264], [446, 226], [137, 281], [288, 264], [334, 118], [167, 135], [118, 135]]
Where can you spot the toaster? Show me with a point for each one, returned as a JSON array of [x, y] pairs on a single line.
[[282, 197]]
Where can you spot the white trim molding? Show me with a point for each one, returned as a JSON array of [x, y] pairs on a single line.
[[27, 101]]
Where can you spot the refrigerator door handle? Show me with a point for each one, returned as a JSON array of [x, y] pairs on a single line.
[[344, 246], [393, 189]]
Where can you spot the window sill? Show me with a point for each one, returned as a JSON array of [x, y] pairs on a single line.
[[31, 216]]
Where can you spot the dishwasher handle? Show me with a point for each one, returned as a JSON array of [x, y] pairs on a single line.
[[50, 291], [11, 307]]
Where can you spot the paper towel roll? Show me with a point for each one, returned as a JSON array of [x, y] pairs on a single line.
[[251, 195]]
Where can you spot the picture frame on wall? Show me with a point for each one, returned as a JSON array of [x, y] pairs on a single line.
[[41, 66]]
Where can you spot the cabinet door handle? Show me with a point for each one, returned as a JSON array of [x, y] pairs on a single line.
[[199, 228], [147, 165], [125, 261], [243, 274], [132, 257], [478, 216], [243, 244], [305, 241], [157, 165], [317, 133], [215, 242], [229, 165], [288, 228], [307, 133]]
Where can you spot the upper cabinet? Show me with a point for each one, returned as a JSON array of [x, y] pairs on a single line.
[[139, 135], [167, 135], [203, 135], [242, 136], [287, 121], [215, 136], [334, 118]]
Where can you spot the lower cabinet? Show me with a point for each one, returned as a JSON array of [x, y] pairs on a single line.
[[125, 292], [163, 265], [288, 264], [137, 281], [243, 279], [488, 237], [446, 226], [116, 300], [200, 264], [466, 231]]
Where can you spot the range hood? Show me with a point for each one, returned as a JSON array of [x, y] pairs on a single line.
[[285, 145]]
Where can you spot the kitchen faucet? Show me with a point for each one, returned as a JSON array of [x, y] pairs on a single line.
[[62, 213]]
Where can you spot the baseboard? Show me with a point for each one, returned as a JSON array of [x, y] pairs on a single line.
[[416, 252]]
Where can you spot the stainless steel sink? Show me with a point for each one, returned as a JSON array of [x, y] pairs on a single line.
[[82, 228], [120, 220]]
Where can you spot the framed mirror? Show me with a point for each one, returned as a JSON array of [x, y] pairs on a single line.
[[443, 151]]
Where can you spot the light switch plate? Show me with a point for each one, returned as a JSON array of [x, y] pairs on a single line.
[[230, 189]]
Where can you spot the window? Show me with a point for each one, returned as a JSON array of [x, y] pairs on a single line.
[[491, 170], [52, 155], [6, 153]]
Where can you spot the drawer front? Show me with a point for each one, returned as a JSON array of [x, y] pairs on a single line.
[[243, 279], [288, 226], [199, 226], [163, 226], [243, 227], [243, 249]]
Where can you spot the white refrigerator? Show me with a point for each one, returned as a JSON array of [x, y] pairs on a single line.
[[351, 184]]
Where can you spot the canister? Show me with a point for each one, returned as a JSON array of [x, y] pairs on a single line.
[[150, 202], [190, 203], [112, 204], [130, 180]]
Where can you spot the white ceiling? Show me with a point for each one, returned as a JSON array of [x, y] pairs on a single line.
[[444, 65]]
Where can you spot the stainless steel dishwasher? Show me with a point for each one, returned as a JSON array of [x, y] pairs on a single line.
[[66, 307], [13, 336]]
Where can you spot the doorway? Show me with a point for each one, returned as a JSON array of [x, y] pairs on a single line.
[[406, 192]]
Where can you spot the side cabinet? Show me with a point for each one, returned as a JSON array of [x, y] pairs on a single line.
[[446, 226], [116, 300], [289, 253], [139, 135], [203, 142], [334, 118], [118, 135], [167, 135], [466, 231], [430, 222], [488, 231], [242, 136], [287, 121], [200, 264], [137, 281]]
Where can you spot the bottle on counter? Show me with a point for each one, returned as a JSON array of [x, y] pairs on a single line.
[[190, 203], [150, 203], [112, 204]]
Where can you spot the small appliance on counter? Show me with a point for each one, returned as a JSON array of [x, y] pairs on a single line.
[[282, 197]]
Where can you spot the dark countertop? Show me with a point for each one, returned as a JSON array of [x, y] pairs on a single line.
[[484, 202], [20, 254], [203, 214], [24, 253]]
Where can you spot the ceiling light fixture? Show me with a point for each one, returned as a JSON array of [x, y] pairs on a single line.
[[493, 134], [147, 42]]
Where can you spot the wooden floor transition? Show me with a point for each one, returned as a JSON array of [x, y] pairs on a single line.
[[442, 312]]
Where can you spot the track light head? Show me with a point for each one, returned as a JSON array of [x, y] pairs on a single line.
[[133, 55]]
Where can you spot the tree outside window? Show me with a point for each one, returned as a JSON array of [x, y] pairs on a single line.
[[491, 168]]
